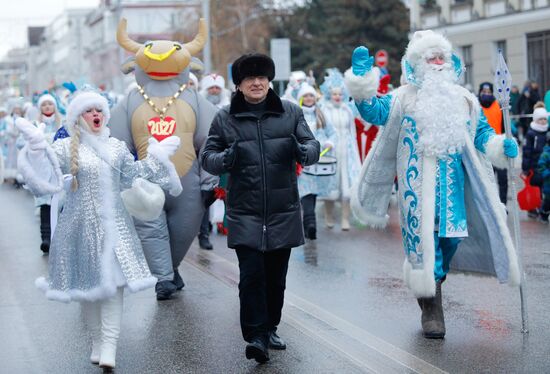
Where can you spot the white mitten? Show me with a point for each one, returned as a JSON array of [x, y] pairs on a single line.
[[169, 146], [32, 134]]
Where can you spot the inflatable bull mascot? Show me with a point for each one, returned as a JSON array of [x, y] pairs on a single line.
[[159, 107]]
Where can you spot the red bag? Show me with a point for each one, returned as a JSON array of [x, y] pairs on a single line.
[[529, 197]]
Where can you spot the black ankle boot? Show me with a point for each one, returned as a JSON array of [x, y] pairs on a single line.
[[257, 350], [45, 228], [433, 320]]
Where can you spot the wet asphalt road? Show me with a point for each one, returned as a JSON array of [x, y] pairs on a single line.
[[347, 310]]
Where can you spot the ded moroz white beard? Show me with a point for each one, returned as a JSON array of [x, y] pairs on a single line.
[[440, 112]]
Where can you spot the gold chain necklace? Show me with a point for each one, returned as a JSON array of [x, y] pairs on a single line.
[[161, 112]]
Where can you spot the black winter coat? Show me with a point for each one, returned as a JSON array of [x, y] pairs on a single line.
[[534, 145], [263, 207]]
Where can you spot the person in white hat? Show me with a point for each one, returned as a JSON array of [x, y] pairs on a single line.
[[437, 141], [312, 182], [213, 90], [95, 252]]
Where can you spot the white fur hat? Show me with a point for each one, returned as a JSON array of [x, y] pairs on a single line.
[[47, 97], [193, 78], [422, 41], [82, 102], [540, 113], [306, 89], [212, 80]]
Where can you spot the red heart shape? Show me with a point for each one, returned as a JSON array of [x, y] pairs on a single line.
[[161, 129]]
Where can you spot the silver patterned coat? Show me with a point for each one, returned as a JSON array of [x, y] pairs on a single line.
[[95, 247]]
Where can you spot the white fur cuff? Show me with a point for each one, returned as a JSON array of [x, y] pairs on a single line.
[[362, 87], [494, 150]]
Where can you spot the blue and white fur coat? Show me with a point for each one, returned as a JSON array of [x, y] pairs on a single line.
[[488, 247]]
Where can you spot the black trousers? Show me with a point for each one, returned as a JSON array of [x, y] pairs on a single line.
[[45, 226], [502, 180], [204, 231], [308, 208], [261, 290]]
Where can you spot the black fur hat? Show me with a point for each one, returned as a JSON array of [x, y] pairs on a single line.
[[252, 65]]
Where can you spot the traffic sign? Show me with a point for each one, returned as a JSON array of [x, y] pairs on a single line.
[[280, 53], [381, 58]]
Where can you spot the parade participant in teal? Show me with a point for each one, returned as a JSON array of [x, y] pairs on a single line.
[[435, 138]]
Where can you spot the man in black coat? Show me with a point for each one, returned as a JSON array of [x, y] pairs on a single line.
[[258, 139]]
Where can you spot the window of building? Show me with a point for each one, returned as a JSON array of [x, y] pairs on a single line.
[[538, 59], [468, 64], [499, 45]]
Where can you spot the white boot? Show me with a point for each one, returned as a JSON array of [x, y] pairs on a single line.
[[329, 213], [345, 215], [111, 318], [93, 320]]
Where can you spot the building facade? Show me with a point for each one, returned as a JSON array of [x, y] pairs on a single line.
[[478, 29]]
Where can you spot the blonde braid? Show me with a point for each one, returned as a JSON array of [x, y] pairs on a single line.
[[75, 143]]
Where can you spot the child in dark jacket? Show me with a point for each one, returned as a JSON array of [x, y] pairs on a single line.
[[535, 141], [544, 171]]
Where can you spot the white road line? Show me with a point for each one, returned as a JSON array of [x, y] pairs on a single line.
[[368, 352]]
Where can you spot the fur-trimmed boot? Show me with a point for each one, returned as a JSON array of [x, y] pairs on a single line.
[[329, 213], [45, 228], [111, 318], [93, 320], [346, 210], [433, 320]]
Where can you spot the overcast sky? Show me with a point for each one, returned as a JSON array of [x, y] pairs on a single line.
[[16, 15]]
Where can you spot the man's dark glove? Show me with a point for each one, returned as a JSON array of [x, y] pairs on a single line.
[[208, 197], [230, 156], [300, 150]]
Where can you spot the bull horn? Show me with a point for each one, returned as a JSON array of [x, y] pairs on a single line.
[[196, 45], [124, 40]]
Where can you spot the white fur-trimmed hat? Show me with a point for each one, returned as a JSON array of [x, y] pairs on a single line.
[[540, 113], [47, 97], [306, 89], [212, 80], [193, 77], [422, 41], [82, 102]]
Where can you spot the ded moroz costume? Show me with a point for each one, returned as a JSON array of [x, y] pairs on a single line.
[[435, 138]]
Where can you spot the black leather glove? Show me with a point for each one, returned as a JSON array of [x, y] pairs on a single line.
[[230, 156], [300, 150], [208, 197]]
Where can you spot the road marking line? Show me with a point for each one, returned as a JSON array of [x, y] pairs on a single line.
[[365, 350]]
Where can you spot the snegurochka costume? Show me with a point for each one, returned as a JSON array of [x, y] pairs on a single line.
[[435, 138], [348, 162], [51, 124], [95, 251], [313, 181]]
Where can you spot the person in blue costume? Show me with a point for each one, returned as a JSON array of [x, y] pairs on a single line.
[[435, 138]]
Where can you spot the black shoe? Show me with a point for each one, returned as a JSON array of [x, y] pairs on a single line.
[[311, 232], [257, 350], [275, 342], [177, 280], [45, 247], [204, 243], [165, 289]]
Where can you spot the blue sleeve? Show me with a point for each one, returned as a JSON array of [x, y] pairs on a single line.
[[377, 111], [484, 132]]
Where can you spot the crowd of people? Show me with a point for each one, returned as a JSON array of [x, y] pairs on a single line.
[[253, 166]]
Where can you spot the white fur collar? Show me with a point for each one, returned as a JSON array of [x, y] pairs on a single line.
[[538, 127]]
